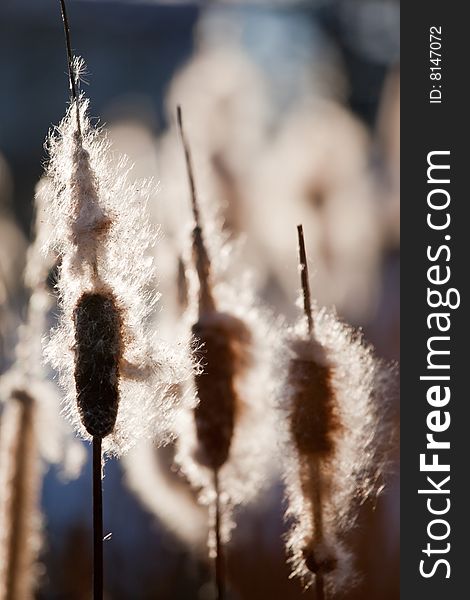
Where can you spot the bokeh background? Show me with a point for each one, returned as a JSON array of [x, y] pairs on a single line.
[[293, 113]]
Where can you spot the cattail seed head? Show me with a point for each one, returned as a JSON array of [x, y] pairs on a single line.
[[329, 388], [121, 381], [20, 522], [98, 349], [88, 219], [218, 335], [224, 341], [314, 419]]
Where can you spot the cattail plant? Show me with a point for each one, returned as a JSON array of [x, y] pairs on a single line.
[[12, 253], [120, 382], [32, 433], [224, 427], [20, 522], [20, 459], [329, 386]]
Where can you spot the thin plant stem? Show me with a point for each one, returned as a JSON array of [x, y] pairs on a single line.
[[97, 521], [206, 301], [304, 279], [219, 562], [68, 43], [314, 466], [320, 587], [318, 522]]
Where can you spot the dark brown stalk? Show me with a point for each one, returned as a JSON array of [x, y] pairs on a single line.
[[72, 75], [318, 525], [98, 351], [314, 465], [97, 521], [219, 549], [320, 587]]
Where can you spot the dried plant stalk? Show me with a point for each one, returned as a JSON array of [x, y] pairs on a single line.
[[19, 496], [31, 434]]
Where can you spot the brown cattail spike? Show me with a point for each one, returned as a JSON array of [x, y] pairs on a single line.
[[98, 349], [215, 415], [68, 43], [319, 564], [314, 421], [203, 265], [220, 556]]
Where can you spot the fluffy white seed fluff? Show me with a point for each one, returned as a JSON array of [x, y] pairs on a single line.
[[249, 465], [102, 234], [351, 472]]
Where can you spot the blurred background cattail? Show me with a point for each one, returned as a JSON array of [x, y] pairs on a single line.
[[293, 110], [32, 433], [19, 514], [225, 344], [335, 433]]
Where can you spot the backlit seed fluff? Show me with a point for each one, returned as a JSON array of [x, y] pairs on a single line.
[[330, 389], [222, 449], [56, 442], [232, 427], [121, 382]]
